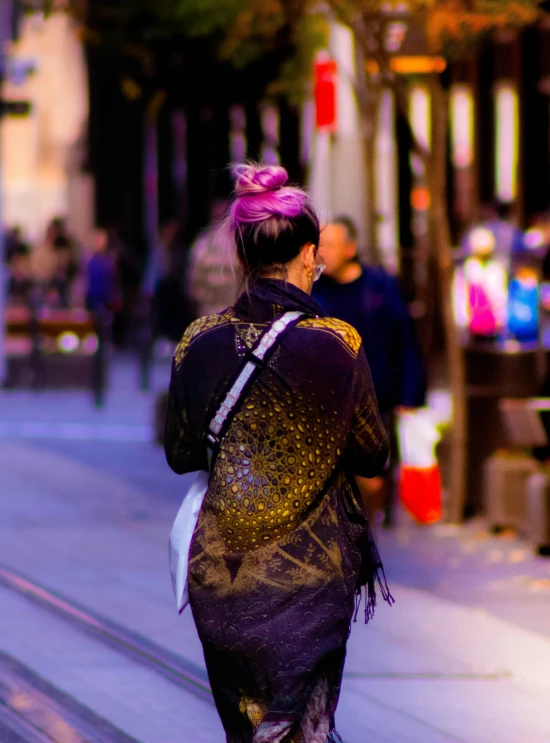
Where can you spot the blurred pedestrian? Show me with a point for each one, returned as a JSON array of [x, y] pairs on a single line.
[[281, 549], [102, 287], [19, 276], [212, 274], [486, 285], [13, 238], [508, 237], [171, 309], [129, 269], [55, 265], [369, 299], [65, 271], [43, 265]]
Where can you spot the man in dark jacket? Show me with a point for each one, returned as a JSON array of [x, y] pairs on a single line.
[[369, 299]]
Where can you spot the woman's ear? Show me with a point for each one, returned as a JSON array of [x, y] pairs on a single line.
[[308, 255]]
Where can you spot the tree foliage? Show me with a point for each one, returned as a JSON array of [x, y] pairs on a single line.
[[242, 31], [269, 43], [246, 28], [288, 33]]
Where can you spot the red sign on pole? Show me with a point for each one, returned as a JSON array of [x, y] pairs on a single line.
[[325, 95]]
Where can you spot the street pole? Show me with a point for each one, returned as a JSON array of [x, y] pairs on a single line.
[[151, 225], [10, 14], [3, 282], [6, 7]]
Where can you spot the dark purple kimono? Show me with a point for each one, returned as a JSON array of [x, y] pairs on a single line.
[[282, 548]]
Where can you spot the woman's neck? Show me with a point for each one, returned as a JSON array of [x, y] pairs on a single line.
[[293, 276]]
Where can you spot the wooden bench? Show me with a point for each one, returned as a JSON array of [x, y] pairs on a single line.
[[56, 348]]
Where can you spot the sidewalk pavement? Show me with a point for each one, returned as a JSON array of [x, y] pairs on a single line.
[[89, 519], [501, 575], [127, 409]]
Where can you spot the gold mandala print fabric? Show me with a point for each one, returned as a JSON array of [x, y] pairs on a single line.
[[281, 547], [274, 460]]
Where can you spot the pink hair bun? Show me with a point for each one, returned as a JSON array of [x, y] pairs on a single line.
[[261, 194], [256, 179]]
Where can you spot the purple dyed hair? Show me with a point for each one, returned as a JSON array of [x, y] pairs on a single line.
[[269, 220], [261, 194]]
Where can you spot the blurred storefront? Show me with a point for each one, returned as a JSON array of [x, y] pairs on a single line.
[[499, 170], [498, 179], [503, 329]]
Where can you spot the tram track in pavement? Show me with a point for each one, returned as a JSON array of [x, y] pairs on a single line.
[[181, 672], [34, 711]]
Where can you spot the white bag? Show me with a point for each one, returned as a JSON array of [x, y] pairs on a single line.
[[182, 534]]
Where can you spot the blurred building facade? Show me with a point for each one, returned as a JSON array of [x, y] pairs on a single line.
[[335, 154], [43, 154]]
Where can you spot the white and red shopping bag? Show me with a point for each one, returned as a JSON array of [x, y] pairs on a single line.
[[420, 489]]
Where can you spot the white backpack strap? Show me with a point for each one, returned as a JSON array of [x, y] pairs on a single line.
[[231, 399]]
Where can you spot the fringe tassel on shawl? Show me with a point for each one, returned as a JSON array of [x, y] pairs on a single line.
[[372, 570], [334, 737], [370, 594]]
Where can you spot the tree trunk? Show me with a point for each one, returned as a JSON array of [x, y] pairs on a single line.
[[367, 94], [150, 187], [371, 129], [150, 180], [441, 241], [179, 170]]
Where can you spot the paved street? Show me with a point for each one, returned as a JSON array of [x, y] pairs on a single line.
[[87, 501]]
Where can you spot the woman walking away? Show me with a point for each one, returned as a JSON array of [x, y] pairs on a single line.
[[282, 548]]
